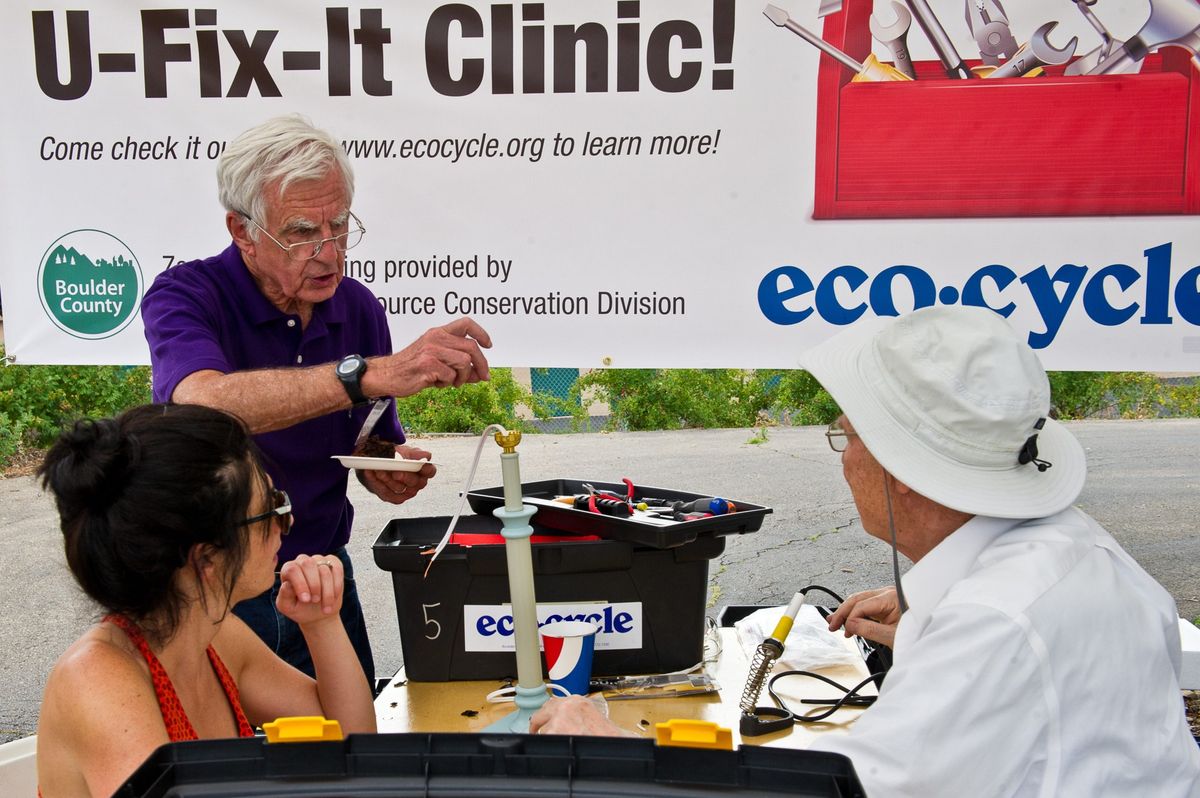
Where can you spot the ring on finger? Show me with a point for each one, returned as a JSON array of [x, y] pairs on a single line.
[[326, 563]]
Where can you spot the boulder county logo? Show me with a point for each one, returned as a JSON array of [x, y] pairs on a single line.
[[90, 284]]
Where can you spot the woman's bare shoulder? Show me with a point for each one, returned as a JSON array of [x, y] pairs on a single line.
[[100, 715], [102, 664]]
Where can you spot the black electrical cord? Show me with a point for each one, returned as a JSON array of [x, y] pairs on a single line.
[[823, 589], [851, 696]]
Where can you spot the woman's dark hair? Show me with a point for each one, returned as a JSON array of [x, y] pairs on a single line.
[[135, 493]]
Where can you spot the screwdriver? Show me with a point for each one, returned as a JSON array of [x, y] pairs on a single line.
[[951, 61], [872, 70], [706, 504]]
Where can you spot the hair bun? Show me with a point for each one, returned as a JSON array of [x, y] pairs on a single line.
[[90, 464]]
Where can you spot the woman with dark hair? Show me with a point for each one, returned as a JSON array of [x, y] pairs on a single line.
[[169, 520]]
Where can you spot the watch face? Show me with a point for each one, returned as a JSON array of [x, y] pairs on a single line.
[[347, 367]]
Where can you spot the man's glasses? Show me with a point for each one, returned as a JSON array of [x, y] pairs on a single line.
[[307, 250], [281, 507], [838, 437]]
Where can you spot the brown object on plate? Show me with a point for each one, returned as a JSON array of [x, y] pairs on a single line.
[[374, 446]]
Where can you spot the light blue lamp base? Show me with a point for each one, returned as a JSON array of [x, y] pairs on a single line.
[[529, 700]]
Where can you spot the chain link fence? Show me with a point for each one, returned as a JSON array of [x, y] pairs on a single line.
[[555, 384]]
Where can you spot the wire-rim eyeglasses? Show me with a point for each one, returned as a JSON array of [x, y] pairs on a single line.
[[838, 436], [307, 250]]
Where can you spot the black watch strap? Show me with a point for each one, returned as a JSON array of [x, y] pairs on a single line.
[[349, 371]]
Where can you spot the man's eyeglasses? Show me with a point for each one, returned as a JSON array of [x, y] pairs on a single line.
[[281, 506], [838, 437], [307, 250]]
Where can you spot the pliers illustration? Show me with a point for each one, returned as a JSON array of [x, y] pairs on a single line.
[[989, 27]]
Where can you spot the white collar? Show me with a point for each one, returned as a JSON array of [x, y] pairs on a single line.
[[949, 561]]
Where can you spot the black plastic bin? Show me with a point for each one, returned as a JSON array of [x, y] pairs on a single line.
[[671, 585], [471, 765]]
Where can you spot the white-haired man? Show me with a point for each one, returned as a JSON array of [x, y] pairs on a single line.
[[271, 330], [1033, 656]]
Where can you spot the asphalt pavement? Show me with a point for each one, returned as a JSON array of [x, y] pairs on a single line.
[[1143, 485]]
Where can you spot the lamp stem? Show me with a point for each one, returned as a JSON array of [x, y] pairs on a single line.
[[515, 515]]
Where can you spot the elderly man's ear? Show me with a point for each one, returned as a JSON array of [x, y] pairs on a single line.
[[899, 486], [239, 230]]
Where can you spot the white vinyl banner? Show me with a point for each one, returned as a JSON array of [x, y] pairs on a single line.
[[615, 183]]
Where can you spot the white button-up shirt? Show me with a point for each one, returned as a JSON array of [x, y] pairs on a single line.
[[1036, 658]]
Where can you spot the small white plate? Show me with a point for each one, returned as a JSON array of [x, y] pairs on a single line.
[[379, 463]]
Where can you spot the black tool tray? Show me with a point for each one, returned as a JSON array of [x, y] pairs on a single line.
[[662, 535], [538, 766]]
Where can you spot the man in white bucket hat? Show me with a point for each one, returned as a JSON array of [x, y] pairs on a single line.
[[1033, 656]]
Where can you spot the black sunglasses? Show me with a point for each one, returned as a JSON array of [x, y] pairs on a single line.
[[282, 508]]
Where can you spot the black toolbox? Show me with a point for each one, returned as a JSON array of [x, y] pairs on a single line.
[[541, 494], [470, 765], [668, 588]]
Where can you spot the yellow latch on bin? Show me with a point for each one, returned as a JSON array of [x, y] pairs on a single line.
[[306, 729], [693, 734]]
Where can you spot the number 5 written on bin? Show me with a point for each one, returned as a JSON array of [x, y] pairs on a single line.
[[437, 627]]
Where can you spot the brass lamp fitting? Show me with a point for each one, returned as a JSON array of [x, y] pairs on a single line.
[[508, 440]]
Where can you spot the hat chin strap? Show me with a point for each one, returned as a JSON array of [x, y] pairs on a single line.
[[895, 557], [1029, 452]]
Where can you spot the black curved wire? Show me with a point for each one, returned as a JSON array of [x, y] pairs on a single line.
[[851, 696], [823, 589]]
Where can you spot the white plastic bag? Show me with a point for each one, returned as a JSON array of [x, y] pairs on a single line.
[[809, 646]]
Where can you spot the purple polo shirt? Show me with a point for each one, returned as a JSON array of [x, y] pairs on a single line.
[[210, 314]]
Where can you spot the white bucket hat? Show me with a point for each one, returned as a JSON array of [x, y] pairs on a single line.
[[946, 400]]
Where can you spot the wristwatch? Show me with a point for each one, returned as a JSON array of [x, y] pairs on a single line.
[[350, 370]]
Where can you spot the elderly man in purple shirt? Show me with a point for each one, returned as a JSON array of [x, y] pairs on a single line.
[[272, 331]]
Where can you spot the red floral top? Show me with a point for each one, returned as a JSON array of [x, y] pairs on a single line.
[[178, 725]]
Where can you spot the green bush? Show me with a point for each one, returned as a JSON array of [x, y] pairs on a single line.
[[37, 401], [646, 399], [1123, 394], [803, 401], [472, 407], [1183, 400]]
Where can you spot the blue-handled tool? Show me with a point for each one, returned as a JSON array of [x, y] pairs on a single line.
[[714, 505]]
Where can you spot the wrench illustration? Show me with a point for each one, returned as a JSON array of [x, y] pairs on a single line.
[[895, 36], [1172, 23], [989, 27], [1037, 52]]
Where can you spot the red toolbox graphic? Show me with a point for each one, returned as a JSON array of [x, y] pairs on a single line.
[[1045, 146]]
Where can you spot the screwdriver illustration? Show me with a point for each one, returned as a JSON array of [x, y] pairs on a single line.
[[872, 70]]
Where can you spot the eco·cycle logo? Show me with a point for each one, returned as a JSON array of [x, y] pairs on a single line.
[[90, 284]]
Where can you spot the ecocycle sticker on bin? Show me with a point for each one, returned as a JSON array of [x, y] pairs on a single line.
[[489, 627]]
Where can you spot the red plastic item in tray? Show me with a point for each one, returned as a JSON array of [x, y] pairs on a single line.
[[481, 539], [1045, 146]]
